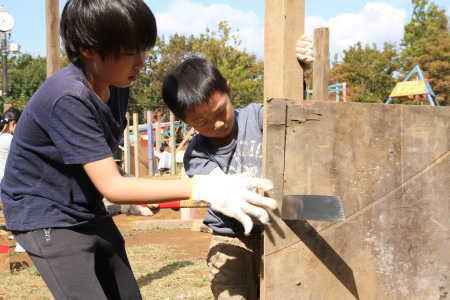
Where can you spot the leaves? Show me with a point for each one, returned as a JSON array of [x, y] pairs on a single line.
[[243, 70], [372, 73], [367, 71]]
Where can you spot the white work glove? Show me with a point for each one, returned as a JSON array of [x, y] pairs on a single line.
[[304, 50], [234, 196]]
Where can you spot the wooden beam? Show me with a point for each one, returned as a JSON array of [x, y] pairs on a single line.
[[126, 146], [321, 66], [284, 24], [173, 147], [150, 154], [137, 172], [283, 78], [52, 31]]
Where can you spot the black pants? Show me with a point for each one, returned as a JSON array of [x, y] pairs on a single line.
[[82, 262]]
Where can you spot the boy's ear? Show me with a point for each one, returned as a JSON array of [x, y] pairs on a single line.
[[229, 84], [87, 53]]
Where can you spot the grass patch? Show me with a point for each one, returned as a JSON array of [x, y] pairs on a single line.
[[159, 273]]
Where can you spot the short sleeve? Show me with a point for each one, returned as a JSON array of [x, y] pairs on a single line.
[[260, 108], [76, 133], [195, 161]]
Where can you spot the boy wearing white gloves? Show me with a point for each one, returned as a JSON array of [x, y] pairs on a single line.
[[229, 142]]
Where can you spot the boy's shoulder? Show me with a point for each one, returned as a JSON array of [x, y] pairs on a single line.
[[251, 108], [251, 114]]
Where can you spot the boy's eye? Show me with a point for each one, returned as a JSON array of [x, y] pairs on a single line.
[[201, 123]]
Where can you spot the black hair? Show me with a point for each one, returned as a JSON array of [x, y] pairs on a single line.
[[191, 83], [108, 27], [12, 114], [163, 147]]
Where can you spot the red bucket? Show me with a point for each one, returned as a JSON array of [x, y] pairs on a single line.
[[4, 249]]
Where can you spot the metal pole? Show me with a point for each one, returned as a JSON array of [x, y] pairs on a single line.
[[4, 63]]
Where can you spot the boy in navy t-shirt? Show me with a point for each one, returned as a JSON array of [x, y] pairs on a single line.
[[61, 163]]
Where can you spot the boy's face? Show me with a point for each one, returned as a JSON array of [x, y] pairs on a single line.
[[119, 71], [213, 118]]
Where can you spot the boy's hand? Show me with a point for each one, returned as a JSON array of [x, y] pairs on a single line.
[[233, 196], [304, 50]]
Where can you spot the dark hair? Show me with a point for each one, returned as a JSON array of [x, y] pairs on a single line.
[[163, 147], [107, 27], [12, 114], [192, 83]]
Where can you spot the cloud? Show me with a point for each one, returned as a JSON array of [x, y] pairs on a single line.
[[189, 17], [376, 23]]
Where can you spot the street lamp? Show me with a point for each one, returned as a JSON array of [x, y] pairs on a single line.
[[6, 24]]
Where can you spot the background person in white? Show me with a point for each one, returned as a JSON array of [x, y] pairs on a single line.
[[8, 125]]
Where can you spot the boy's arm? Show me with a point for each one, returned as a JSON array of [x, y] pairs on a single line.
[[229, 195]]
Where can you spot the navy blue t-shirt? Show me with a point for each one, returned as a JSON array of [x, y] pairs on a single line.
[[64, 126], [243, 155]]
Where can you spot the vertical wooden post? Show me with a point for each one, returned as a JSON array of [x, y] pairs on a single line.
[[283, 78], [126, 146], [150, 155], [158, 134], [321, 65], [137, 172], [284, 24], [173, 146], [52, 31]]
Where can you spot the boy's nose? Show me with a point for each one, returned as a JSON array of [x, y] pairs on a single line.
[[218, 125]]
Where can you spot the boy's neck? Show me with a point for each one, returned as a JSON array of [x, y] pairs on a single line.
[[221, 142], [101, 89]]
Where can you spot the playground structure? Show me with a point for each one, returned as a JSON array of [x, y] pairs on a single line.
[[337, 89], [137, 156], [419, 88]]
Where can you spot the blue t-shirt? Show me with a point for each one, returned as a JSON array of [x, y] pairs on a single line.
[[242, 156], [63, 126]]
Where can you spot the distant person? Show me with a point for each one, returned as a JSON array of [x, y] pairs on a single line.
[[165, 158], [8, 125], [61, 161]]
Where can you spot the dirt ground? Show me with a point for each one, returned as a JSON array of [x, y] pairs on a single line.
[[185, 242]]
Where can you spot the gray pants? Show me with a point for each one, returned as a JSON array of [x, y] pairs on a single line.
[[82, 262]]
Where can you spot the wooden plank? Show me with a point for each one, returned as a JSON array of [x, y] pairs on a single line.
[[283, 79], [126, 146], [137, 172], [321, 64], [150, 154], [52, 34], [284, 24], [391, 166], [173, 146]]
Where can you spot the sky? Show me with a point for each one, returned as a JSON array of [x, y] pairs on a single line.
[[349, 21]]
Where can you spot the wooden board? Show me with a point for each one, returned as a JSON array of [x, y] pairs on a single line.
[[391, 166], [283, 78]]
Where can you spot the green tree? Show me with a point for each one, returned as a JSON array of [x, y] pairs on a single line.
[[368, 72], [243, 70], [25, 75], [426, 43]]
